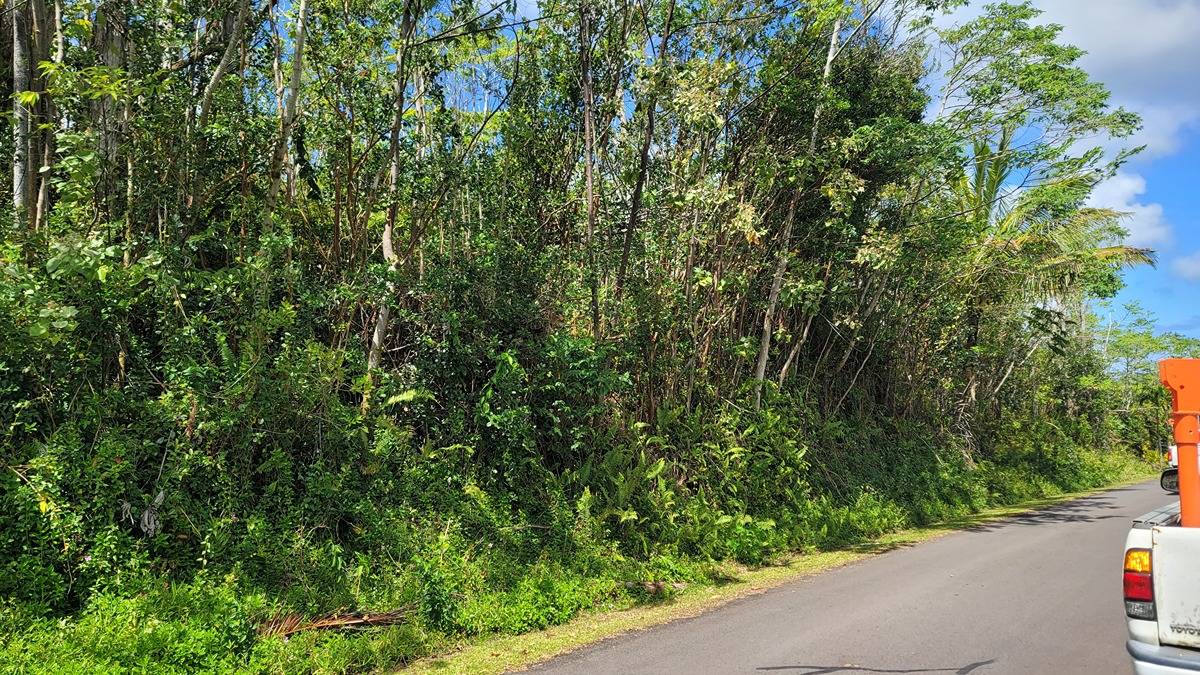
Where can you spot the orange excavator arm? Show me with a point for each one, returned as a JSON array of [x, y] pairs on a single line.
[[1182, 377]]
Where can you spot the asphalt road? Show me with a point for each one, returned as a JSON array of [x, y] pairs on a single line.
[[1037, 593]]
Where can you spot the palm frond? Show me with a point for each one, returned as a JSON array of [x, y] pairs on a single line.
[[1127, 256]]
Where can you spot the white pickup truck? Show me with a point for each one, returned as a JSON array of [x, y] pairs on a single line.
[[1162, 592]]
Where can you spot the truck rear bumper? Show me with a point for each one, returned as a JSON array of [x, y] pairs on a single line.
[[1162, 660]]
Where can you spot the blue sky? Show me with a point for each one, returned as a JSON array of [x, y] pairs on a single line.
[[1171, 291], [1148, 54]]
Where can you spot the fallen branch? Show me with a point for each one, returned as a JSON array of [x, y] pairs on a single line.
[[654, 587], [286, 624]]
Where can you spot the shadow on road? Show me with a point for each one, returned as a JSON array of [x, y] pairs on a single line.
[[1083, 510], [826, 670], [1086, 510]]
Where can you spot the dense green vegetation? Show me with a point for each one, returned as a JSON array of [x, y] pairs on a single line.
[[478, 313]]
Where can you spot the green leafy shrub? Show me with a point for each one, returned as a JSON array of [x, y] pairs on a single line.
[[174, 628]]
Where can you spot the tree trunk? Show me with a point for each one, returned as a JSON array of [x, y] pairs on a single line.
[[21, 125], [53, 52], [287, 113], [379, 334], [108, 41], [764, 343], [235, 41], [833, 50], [589, 140], [635, 202], [40, 142]]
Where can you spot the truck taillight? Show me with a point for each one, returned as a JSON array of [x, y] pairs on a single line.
[[1139, 587], [1138, 581]]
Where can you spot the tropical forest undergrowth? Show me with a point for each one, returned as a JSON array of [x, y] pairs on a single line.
[[335, 333]]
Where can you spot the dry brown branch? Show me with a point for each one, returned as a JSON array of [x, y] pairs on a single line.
[[287, 624]]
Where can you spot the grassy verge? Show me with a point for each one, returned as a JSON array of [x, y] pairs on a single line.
[[498, 654], [462, 615]]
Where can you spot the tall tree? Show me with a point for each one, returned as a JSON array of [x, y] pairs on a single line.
[[591, 274], [21, 118], [287, 110], [785, 239]]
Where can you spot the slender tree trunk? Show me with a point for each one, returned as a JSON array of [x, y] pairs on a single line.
[[857, 372], [39, 51], [781, 263], [59, 39], [589, 140], [287, 113], [635, 202], [833, 50], [21, 124], [42, 208], [803, 338], [768, 325], [108, 40], [127, 123], [1013, 364], [379, 334], [223, 66], [50, 48]]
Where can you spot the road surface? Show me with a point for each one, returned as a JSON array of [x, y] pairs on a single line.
[[1038, 593]]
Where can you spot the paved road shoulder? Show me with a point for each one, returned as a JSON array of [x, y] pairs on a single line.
[[506, 653]]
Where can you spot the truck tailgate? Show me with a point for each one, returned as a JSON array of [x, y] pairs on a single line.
[[1176, 556]]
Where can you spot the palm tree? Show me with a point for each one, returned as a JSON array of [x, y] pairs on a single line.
[[1027, 234], [1031, 250]]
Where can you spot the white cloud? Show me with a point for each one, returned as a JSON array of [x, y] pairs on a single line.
[[1146, 225], [1163, 127], [1141, 49], [1187, 267], [1146, 53]]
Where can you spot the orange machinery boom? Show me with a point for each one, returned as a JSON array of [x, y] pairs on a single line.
[[1182, 377]]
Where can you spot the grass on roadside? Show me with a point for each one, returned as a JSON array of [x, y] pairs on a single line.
[[498, 654], [212, 623]]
